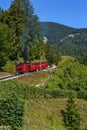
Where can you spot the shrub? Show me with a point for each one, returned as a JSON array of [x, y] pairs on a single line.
[[11, 111], [72, 116]]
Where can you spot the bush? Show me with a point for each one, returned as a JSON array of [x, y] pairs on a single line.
[[82, 94], [72, 116], [11, 111]]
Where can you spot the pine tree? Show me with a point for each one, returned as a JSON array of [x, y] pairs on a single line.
[[25, 26], [6, 45], [17, 21], [1, 10], [84, 59], [38, 51], [52, 54], [31, 33], [72, 116], [11, 111]]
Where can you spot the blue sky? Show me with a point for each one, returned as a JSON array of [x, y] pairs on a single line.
[[72, 13]]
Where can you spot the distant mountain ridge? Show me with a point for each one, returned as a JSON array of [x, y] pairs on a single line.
[[54, 31], [70, 41]]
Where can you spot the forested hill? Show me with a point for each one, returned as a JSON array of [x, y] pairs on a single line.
[[70, 41], [54, 31]]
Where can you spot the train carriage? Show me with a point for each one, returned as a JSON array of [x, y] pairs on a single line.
[[22, 67]]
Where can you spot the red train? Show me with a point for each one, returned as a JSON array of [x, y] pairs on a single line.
[[23, 67]]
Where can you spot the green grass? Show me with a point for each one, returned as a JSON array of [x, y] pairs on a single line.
[[41, 115]]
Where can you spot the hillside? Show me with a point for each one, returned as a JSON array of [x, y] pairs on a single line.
[[74, 44], [43, 104], [54, 31], [69, 78], [69, 41]]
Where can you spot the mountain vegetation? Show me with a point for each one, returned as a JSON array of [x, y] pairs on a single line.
[[74, 44], [54, 31], [69, 41]]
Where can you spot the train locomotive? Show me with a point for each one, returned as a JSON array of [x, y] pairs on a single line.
[[23, 67]]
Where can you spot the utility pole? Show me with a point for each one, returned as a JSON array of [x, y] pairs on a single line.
[[40, 60]]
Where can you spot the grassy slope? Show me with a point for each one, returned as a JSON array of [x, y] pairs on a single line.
[[42, 114], [69, 76], [45, 113], [34, 79]]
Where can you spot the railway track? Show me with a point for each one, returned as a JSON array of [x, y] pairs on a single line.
[[10, 77], [14, 76]]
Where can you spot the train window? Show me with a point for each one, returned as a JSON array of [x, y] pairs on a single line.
[[18, 64]]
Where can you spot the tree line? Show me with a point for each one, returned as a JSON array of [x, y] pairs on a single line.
[[20, 34]]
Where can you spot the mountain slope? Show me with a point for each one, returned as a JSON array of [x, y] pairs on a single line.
[[74, 44], [70, 41], [54, 31]]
